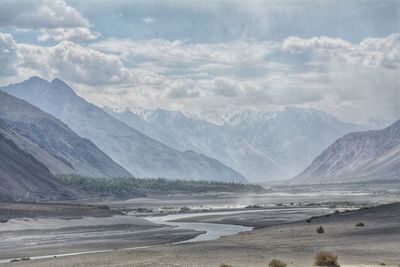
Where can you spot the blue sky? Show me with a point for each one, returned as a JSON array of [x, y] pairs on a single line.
[[207, 57], [221, 21]]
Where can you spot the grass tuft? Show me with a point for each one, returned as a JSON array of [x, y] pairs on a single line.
[[326, 258], [276, 263]]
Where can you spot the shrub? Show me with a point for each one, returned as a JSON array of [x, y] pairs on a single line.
[[225, 265], [308, 221], [326, 258], [360, 224], [276, 263], [320, 230]]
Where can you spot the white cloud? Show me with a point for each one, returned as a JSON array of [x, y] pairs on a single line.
[[60, 34], [40, 14], [298, 45], [382, 51], [148, 20], [8, 54], [53, 19], [178, 52], [226, 87], [355, 81], [74, 62], [375, 52]]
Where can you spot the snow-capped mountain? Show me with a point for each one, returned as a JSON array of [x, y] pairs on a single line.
[[248, 117], [261, 145], [141, 155], [361, 156]]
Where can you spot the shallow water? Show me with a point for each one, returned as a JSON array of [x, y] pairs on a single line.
[[212, 230]]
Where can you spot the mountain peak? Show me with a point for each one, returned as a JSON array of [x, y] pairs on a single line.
[[62, 86], [57, 81], [37, 80]]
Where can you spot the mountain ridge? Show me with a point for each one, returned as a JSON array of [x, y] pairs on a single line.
[[261, 145], [359, 156], [53, 142], [139, 154]]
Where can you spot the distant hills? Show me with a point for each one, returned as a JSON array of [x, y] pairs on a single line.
[[262, 146], [357, 157], [139, 154]]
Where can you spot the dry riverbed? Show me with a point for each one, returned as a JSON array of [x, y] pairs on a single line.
[[135, 241], [295, 243]]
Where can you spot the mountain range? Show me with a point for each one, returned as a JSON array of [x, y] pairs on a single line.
[[262, 146], [57, 132], [357, 157], [140, 155], [52, 142]]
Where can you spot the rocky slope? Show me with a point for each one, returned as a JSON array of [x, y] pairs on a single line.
[[23, 178], [51, 142], [361, 156]]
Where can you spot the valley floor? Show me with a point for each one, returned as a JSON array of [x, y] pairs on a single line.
[[294, 243]]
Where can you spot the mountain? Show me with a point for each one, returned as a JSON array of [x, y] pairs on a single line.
[[141, 155], [24, 178], [261, 145], [360, 156], [51, 142]]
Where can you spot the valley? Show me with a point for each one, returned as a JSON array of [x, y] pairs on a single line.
[[91, 233], [187, 133], [85, 186]]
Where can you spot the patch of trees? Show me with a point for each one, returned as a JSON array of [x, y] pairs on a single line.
[[131, 186]]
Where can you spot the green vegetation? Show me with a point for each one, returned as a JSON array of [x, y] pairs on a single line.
[[131, 187], [360, 224], [276, 263]]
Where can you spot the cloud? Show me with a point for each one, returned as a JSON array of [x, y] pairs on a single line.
[[75, 63], [40, 14], [8, 55], [179, 52], [382, 51], [148, 20], [370, 52], [356, 81], [298, 45], [53, 19], [74, 34], [226, 87]]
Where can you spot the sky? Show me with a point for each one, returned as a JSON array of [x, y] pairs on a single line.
[[212, 58]]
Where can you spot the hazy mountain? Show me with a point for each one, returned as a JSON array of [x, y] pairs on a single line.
[[139, 154], [24, 178], [361, 156], [261, 145], [51, 142]]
